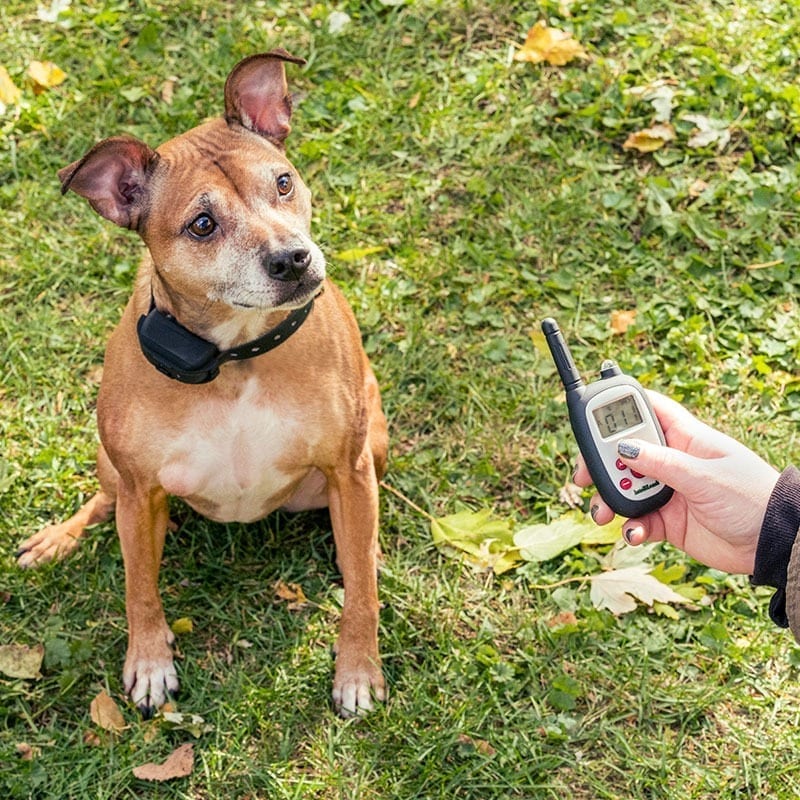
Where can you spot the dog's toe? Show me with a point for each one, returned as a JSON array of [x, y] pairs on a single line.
[[355, 692], [149, 684]]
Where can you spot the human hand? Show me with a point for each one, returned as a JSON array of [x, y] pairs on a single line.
[[721, 490]]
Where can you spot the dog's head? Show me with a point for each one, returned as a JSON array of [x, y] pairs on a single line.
[[223, 212]]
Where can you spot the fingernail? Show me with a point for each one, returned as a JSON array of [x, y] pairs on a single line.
[[628, 449], [574, 473], [628, 535], [593, 510]]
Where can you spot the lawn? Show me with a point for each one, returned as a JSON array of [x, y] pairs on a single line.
[[460, 197]]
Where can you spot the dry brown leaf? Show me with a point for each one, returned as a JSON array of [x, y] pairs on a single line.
[[45, 75], [292, 593], [179, 764], [106, 714], [25, 751], [21, 661], [9, 91], [650, 139], [552, 45], [622, 320], [697, 187]]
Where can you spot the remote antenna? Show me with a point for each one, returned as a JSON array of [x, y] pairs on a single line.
[[562, 357]]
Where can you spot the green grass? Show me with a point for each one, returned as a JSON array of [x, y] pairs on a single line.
[[500, 193]]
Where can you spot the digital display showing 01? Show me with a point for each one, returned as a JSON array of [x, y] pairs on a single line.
[[617, 416]]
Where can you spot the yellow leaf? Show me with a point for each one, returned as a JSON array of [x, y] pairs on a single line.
[[9, 92], [45, 75], [181, 626], [357, 253], [552, 45], [106, 714], [21, 661], [622, 320], [292, 593], [650, 139]]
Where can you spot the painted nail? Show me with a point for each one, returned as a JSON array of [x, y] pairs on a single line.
[[593, 510], [628, 534], [628, 449]]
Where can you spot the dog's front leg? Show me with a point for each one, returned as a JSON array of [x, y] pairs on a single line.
[[353, 499], [149, 674]]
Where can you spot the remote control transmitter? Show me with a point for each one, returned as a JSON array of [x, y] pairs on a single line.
[[601, 413]]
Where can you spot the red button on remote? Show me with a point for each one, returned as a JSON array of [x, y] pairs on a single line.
[[620, 466], [625, 484], [636, 474]]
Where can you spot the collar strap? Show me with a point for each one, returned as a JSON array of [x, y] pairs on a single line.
[[188, 358]]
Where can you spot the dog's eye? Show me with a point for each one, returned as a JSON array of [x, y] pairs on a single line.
[[285, 185], [202, 226]]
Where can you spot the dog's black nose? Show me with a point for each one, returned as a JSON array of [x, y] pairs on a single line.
[[288, 265]]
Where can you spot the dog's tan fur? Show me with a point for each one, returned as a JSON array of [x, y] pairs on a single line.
[[299, 427]]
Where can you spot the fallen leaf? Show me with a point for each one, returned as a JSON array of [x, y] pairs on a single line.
[[105, 713], [660, 94], [25, 751], [57, 7], [552, 45], [708, 131], [21, 661], [45, 75], [571, 495], [191, 723], [357, 253], [9, 91], [179, 764], [697, 187], [622, 320], [337, 22], [619, 590], [487, 542], [292, 593], [182, 626], [543, 541], [479, 745], [650, 139]]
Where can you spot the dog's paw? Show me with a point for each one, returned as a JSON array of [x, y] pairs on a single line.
[[356, 688], [151, 681], [52, 542]]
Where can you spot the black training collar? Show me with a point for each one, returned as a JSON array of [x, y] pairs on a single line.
[[186, 357]]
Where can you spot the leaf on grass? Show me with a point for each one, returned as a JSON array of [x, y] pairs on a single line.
[[191, 723], [21, 661], [487, 542], [708, 132], [181, 626], [622, 320], [105, 713], [543, 541], [357, 253], [9, 91], [552, 45], [178, 765], [45, 75], [650, 139], [619, 590], [57, 7], [660, 94], [291, 593]]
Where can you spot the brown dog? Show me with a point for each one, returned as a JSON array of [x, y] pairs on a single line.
[[230, 276]]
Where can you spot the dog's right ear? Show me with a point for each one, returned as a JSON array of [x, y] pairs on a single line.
[[113, 177], [256, 95]]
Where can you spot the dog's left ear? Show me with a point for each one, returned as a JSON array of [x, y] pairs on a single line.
[[257, 97]]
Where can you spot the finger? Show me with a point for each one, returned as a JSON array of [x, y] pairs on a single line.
[[599, 510], [672, 467], [581, 475]]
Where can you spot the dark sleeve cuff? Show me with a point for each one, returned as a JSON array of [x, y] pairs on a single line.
[[775, 542]]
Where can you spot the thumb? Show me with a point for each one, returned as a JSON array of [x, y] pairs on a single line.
[[672, 467]]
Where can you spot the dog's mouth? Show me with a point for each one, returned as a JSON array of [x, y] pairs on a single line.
[[294, 296]]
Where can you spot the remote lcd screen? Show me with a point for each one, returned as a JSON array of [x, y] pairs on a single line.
[[617, 416]]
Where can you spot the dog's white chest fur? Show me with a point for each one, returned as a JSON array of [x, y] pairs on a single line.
[[224, 461]]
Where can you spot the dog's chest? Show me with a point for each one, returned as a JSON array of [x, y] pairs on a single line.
[[235, 460]]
